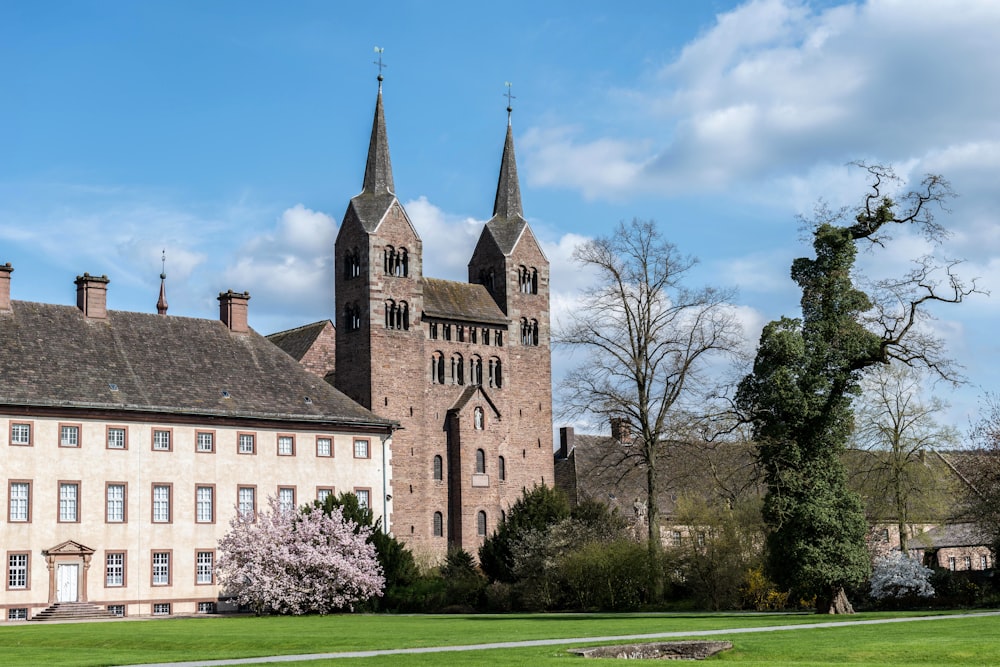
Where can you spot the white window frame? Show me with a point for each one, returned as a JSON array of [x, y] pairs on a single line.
[[246, 497], [362, 448], [20, 434], [116, 437], [364, 497], [161, 440], [69, 435], [161, 568], [69, 502], [286, 499], [286, 445], [161, 503], [20, 502], [205, 567], [244, 440], [114, 569], [204, 504], [205, 442], [115, 503], [324, 446], [17, 571]]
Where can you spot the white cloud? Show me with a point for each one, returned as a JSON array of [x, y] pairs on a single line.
[[448, 239], [289, 269], [776, 87]]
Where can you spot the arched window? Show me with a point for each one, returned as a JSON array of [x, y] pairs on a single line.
[[496, 373], [529, 331], [388, 260], [479, 418], [437, 368], [527, 280], [480, 461], [352, 264], [457, 369], [397, 315], [502, 469], [396, 262], [438, 524], [481, 523], [402, 267], [352, 317], [475, 369], [438, 469]]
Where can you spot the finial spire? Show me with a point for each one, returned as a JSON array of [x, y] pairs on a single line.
[[508, 200], [510, 108], [378, 170], [161, 303], [379, 50]]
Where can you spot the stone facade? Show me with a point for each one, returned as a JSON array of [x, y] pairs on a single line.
[[463, 367]]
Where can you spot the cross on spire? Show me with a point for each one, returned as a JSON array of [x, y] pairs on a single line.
[[510, 97], [379, 50]]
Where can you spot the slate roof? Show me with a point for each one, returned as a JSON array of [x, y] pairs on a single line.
[[507, 223], [461, 301], [296, 342], [949, 535], [52, 356], [378, 189]]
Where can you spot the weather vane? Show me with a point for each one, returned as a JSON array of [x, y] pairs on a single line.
[[379, 50], [163, 264], [510, 97]]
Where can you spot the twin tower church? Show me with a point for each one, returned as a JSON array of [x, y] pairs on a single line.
[[464, 368]]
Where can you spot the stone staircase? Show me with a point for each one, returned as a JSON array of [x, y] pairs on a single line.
[[72, 611]]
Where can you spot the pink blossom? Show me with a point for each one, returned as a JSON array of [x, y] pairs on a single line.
[[296, 562]]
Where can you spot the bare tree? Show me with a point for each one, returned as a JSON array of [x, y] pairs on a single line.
[[650, 340], [896, 426], [981, 467]]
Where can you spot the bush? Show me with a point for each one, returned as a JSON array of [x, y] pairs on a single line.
[[899, 577], [759, 593], [609, 576]]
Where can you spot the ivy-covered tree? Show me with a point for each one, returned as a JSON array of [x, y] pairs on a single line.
[[296, 562], [807, 372]]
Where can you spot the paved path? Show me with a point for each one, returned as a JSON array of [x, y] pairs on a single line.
[[551, 642]]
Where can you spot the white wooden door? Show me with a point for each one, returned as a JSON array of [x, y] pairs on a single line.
[[67, 582]]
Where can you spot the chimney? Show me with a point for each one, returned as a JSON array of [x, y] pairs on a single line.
[[92, 296], [621, 430], [233, 310], [567, 439], [5, 271]]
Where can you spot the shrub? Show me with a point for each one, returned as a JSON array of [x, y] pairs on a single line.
[[897, 576]]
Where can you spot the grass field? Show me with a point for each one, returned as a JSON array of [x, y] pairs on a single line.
[[954, 641]]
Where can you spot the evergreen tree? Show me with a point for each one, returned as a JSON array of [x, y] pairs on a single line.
[[806, 374]]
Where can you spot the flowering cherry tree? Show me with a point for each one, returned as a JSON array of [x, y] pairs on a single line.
[[896, 575], [297, 561]]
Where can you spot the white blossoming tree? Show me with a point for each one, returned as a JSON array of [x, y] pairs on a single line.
[[898, 576], [297, 562]]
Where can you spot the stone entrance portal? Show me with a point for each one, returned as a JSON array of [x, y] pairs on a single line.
[[68, 564]]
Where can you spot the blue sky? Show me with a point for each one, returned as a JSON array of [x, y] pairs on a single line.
[[232, 134]]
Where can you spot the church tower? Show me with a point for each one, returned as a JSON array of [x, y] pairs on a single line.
[[463, 367], [509, 262]]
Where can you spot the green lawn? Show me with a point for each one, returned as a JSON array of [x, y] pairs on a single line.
[[962, 641]]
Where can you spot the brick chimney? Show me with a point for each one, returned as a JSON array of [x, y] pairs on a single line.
[[621, 430], [567, 438], [5, 271], [233, 310], [92, 296]]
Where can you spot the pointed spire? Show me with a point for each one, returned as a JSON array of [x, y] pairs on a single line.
[[508, 200], [161, 303], [378, 170]]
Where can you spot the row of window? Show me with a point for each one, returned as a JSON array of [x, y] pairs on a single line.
[[438, 526], [437, 470], [984, 562], [459, 332], [162, 494], [457, 365], [21, 434], [529, 332], [395, 262], [157, 608], [116, 568]]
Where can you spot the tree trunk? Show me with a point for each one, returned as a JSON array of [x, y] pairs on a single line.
[[654, 544], [837, 603]]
